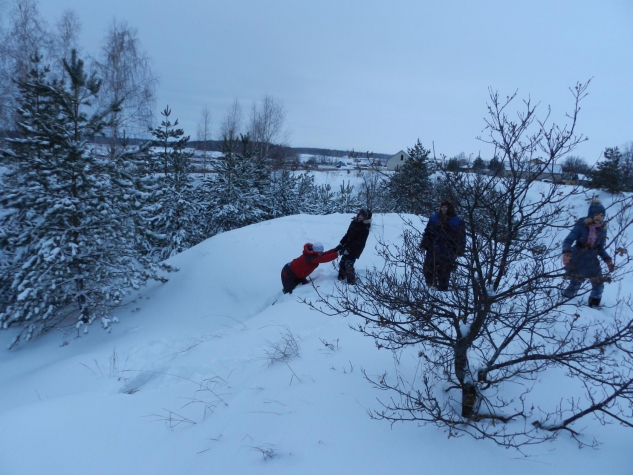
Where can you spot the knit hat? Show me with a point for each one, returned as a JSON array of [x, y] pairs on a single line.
[[595, 208], [317, 247]]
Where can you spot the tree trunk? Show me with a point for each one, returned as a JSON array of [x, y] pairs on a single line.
[[469, 391], [469, 396]]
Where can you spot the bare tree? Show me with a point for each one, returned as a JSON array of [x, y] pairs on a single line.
[[128, 80], [484, 344], [204, 133], [4, 65], [574, 164], [267, 125], [232, 123], [66, 39], [372, 191], [25, 36]]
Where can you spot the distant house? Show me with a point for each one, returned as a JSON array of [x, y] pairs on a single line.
[[397, 160], [551, 172]]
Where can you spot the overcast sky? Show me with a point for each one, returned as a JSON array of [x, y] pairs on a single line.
[[377, 75]]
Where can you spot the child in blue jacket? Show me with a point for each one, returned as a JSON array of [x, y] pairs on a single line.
[[581, 249]]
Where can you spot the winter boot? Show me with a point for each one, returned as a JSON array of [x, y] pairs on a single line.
[[594, 302], [342, 270], [351, 276]]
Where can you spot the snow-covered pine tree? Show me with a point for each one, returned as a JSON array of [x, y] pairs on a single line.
[[284, 193], [134, 206], [237, 194], [263, 174], [325, 199], [72, 251], [308, 194], [175, 222], [410, 184], [6, 255], [33, 104], [146, 207], [346, 200], [300, 194]]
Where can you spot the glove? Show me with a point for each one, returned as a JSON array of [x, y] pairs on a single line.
[[305, 281], [338, 248], [610, 265], [566, 258]]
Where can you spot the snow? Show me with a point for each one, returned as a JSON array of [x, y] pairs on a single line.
[[182, 383], [24, 294]]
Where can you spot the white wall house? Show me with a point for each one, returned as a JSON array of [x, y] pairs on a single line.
[[551, 172], [397, 160]]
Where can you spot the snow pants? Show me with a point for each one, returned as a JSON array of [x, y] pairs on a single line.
[[597, 287], [346, 269], [437, 271], [289, 280]]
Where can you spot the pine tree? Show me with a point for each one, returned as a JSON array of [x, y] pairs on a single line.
[[237, 195], [325, 199], [607, 175], [71, 246], [175, 209], [626, 168], [346, 201], [495, 165], [410, 184], [453, 165], [307, 191], [284, 192], [145, 207], [262, 175], [478, 164]]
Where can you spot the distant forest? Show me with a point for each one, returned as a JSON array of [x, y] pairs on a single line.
[[214, 146]]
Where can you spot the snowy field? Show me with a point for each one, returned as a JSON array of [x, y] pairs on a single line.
[[183, 385]]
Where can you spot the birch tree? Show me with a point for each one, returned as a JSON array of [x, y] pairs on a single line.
[[128, 80]]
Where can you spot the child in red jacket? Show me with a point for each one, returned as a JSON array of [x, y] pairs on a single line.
[[297, 271]]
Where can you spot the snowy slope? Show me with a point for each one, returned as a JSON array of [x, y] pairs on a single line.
[[183, 385]]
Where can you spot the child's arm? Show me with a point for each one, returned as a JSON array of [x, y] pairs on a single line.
[[327, 256]]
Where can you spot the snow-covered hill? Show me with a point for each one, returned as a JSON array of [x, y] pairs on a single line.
[[183, 383]]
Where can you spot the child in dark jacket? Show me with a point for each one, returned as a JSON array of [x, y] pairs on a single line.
[[352, 245], [297, 271], [444, 240]]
